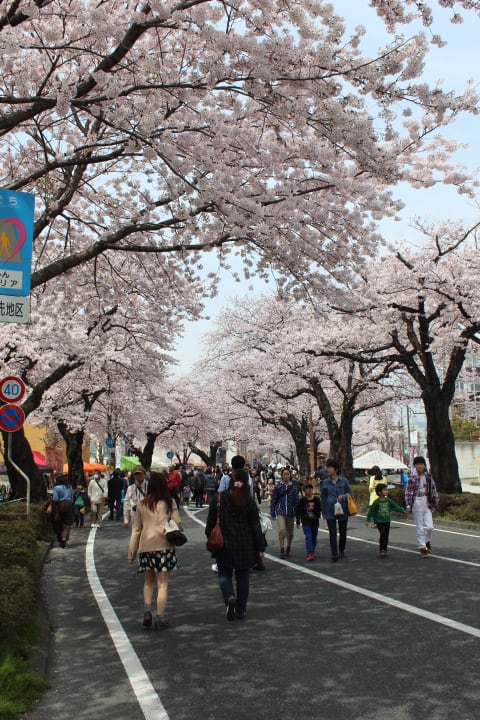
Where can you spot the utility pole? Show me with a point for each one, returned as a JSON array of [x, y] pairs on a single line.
[[313, 464]]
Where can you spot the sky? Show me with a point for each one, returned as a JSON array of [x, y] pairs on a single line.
[[453, 65]]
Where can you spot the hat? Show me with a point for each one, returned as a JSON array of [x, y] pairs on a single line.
[[419, 460], [138, 469]]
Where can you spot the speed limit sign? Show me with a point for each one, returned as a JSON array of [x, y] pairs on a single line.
[[12, 389]]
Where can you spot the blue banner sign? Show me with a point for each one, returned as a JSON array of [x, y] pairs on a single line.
[[16, 241]]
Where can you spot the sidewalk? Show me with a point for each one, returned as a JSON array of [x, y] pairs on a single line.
[[467, 487]]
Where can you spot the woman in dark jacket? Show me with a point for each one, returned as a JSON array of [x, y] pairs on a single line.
[[335, 488], [243, 540]]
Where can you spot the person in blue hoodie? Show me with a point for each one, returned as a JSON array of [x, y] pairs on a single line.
[[282, 506], [335, 489]]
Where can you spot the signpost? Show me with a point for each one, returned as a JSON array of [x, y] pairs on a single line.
[[12, 417], [170, 454], [16, 241]]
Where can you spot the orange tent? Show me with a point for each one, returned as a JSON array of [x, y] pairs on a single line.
[[88, 467]]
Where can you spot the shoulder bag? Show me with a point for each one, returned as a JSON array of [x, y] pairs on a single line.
[[351, 505], [215, 541], [173, 533]]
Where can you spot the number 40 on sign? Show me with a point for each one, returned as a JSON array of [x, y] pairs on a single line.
[[12, 389]]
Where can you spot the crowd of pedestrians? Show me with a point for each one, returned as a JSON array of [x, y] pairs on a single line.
[[144, 502]]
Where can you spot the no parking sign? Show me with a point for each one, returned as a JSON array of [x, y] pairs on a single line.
[[12, 417]]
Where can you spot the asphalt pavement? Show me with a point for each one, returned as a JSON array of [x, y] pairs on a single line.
[[364, 638]]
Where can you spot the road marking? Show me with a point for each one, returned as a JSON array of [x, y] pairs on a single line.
[[409, 550], [465, 533], [146, 695], [398, 604], [378, 597]]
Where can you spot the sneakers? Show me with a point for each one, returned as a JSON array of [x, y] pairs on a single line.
[[424, 552], [429, 547], [147, 619], [310, 556], [382, 553], [334, 558], [161, 625], [231, 609]]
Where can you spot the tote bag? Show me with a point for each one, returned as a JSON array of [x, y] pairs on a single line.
[[351, 505]]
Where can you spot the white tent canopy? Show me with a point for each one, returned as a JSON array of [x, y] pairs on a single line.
[[377, 457]]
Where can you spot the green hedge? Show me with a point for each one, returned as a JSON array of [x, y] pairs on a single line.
[[22, 540]]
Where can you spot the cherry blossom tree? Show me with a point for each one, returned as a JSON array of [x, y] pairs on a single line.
[[421, 309], [270, 358], [102, 332], [255, 129], [153, 133]]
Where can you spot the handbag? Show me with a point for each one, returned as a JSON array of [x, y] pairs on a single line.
[[215, 541], [351, 505], [173, 533], [265, 522]]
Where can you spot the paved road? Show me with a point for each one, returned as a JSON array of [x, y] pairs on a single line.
[[364, 638]]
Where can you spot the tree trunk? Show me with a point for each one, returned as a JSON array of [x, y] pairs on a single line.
[[345, 456], [73, 443], [22, 456], [303, 457], [441, 446], [208, 458], [299, 433], [149, 447]]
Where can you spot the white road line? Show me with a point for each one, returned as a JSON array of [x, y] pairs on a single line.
[[409, 550], [147, 697], [398, 604], [465, 533]]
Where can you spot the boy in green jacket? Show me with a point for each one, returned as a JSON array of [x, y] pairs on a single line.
[[380, 512]]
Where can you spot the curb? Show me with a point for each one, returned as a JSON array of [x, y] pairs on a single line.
[[456, 524], [42, 648]]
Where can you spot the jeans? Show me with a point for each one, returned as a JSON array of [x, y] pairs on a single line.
[[423, 526], [79, 517], [384, 531], [115, 506], [310, 532], [342, 529], [242, 577]]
